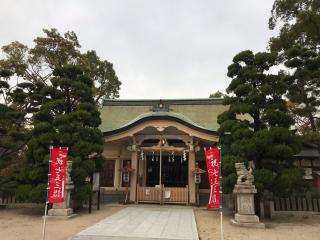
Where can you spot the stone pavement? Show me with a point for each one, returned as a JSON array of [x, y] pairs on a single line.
[[140, 223]]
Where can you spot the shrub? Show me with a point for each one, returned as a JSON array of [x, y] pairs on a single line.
[[22, 192], [38, 194], [263, 179], [290, 181]]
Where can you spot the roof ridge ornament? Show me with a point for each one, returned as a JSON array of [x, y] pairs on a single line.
[[161, 106]]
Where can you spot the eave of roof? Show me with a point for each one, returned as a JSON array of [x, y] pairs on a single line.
[[308, 153], [161, 115]]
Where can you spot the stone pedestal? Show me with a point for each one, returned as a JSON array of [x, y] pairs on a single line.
[[245, 214], [64, 209]]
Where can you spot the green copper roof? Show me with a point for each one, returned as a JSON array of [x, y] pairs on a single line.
[[199, 113]]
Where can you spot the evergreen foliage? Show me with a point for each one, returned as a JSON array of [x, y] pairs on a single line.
[[257, 120], [298, 45], [299, 22], [304, 83], [290, 182], [8, 186], [216, 94], [41, 91], [68, 117], [54, 50], [13, 133]]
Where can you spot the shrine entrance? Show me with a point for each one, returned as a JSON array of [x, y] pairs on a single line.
[[174, 170], [163, 149]]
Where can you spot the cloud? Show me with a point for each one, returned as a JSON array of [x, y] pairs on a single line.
[[160, 49]]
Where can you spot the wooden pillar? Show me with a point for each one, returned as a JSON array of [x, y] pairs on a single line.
[[142, 164], [133, 176], [117, 173], [191, 183]]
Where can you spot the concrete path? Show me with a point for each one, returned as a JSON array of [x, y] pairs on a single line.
[[140, 223]]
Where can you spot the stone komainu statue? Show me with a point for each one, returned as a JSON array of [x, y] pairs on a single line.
[[244, 175]]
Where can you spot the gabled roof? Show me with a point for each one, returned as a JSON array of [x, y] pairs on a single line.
[[161, 116], [201, 114]]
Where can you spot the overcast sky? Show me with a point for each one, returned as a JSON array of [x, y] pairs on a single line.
[[160, 49]]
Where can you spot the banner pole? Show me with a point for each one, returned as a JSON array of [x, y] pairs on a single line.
[[46, 206], [221, 215]]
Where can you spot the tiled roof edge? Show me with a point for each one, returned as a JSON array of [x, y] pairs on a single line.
[[151, 102]]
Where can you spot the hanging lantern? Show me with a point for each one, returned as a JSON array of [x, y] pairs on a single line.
[[152, 156], [142, 155], [172, 156]]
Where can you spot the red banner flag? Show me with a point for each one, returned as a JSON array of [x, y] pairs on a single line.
[[213, 166], [57, 180]]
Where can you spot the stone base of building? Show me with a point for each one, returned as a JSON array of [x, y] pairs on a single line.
[[64, 212], [242, 220]]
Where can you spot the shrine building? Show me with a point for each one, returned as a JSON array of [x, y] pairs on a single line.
[[161, 142]]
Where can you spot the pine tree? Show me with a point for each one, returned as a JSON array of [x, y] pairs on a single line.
[[299, 23], [12, 135], [257, 119], [304, 83], [55, 50], [69, 118], [13, 132], [298, 47]]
